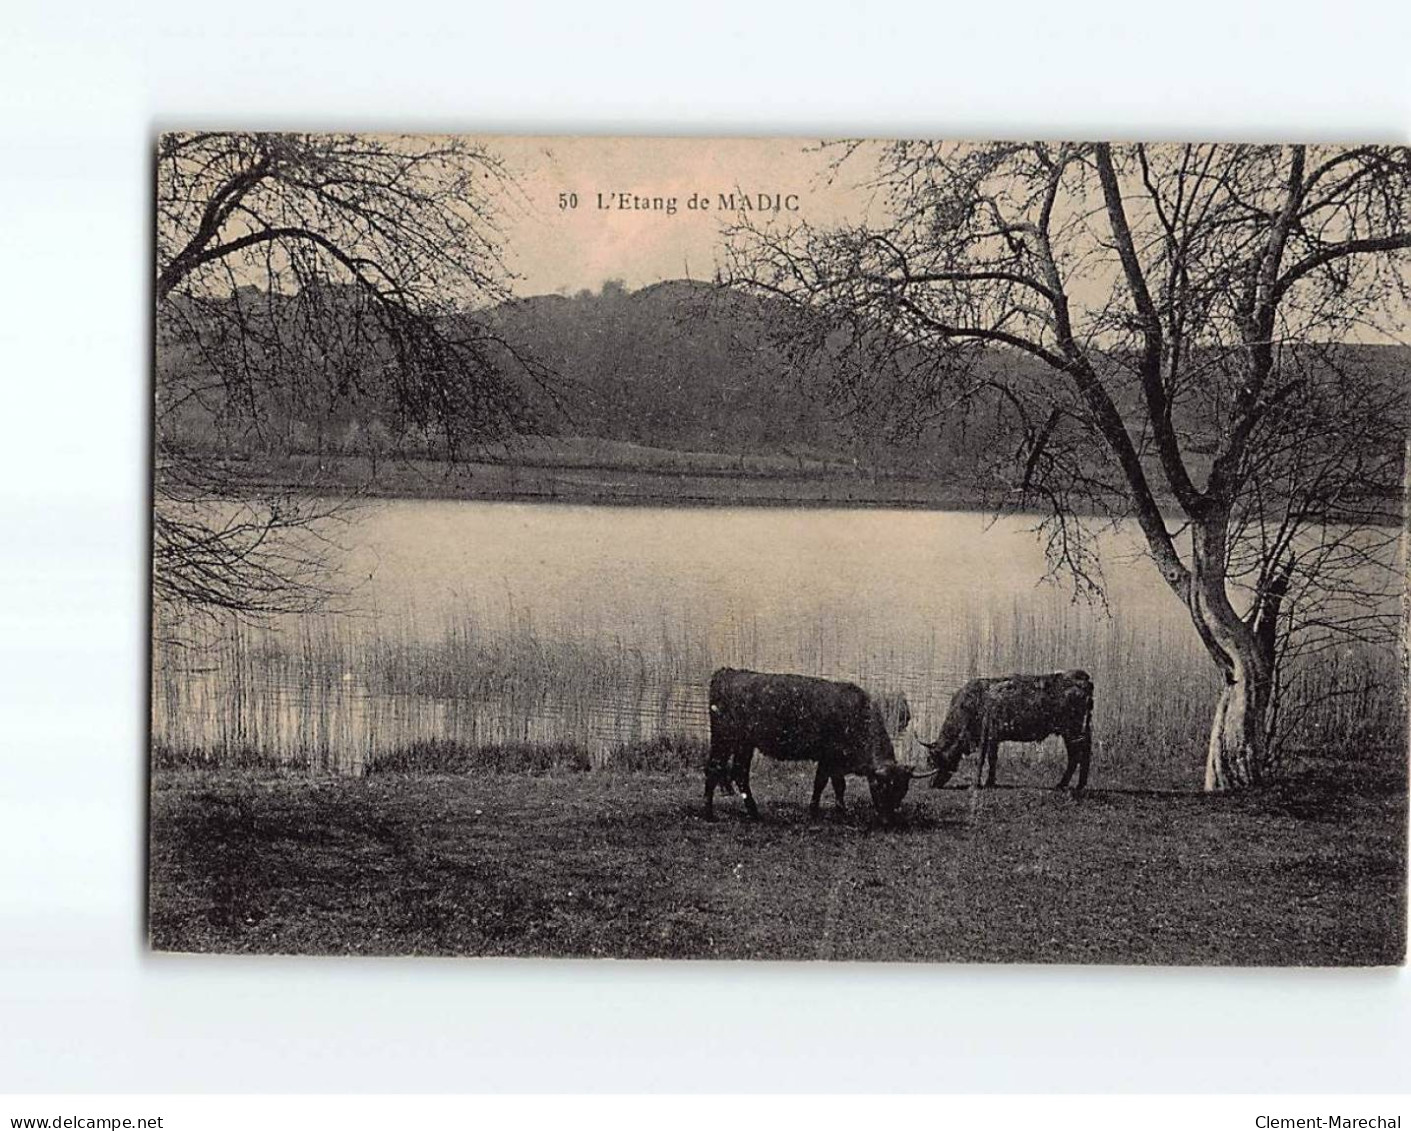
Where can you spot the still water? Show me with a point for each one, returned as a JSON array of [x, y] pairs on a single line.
[[842, 591]]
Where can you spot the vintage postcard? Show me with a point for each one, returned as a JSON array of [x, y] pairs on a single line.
[[780, 549]]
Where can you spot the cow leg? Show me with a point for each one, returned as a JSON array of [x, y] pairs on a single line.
[[840, 785], [986, 748], [717, 772], [712, 776], [820, 779], [1080, 756], [1070, 745], [742, 780], [1085, 757]]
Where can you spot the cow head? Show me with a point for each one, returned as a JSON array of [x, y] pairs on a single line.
[[945, 757], [889, 784]]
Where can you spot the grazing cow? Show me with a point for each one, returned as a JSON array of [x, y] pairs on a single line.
[[799, 718], [1016, 708]]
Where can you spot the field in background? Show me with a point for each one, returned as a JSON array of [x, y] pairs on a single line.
[[577, 470]]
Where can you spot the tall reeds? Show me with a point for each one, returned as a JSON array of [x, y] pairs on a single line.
[[347, 695]]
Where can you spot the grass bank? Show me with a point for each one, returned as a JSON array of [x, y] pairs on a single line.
[[575, 470], [440, 756], [616, 863]]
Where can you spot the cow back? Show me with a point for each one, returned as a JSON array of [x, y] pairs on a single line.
[[799, 718], [1029, 708]]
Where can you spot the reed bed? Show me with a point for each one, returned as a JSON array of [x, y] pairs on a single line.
[[349, 695]]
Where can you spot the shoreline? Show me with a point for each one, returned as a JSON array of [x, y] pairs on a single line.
[[614, 484], [609, 483]]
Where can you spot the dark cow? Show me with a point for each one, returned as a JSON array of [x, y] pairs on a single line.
[[799, 718], [1016, 708]]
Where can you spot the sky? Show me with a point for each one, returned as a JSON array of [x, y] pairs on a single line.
[[585, 210], [592, 209]]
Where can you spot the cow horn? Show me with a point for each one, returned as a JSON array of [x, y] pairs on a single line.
[[915, 773]]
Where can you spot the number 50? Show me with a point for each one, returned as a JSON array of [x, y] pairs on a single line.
[[568, 200]]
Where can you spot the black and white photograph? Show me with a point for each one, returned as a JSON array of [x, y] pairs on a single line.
[[962, 552]]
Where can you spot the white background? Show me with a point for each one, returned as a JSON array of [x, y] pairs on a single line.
[[82, 1006]]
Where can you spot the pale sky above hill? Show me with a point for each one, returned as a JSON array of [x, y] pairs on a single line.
[[633, 219], [557, 248]]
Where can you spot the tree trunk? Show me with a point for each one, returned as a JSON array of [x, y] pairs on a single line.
[[1236, 755]]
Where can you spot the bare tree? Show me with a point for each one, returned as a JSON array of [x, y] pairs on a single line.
[[297, 275], [1163, 330]]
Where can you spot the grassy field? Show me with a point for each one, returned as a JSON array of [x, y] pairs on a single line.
[[620, 863], [575, 470], [572, 469]]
